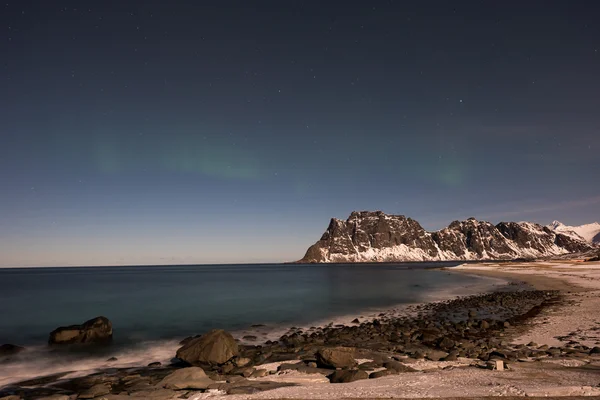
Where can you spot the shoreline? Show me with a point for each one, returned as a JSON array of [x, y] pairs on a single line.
[[165, 349], [459, 376]]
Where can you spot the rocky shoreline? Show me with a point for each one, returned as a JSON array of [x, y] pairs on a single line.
[[475, 329]]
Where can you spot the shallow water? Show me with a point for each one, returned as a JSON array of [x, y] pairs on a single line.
[[153, 307]]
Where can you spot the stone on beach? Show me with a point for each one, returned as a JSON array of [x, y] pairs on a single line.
[[95, 391], [336, 357], [398, 366], [96, 330], [214, 348], [381, 374], [348, 375], [186, 378]]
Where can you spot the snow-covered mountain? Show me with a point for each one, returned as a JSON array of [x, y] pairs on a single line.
[[368, 236], [588, 232]]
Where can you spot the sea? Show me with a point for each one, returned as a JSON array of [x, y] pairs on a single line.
[[152, 308]]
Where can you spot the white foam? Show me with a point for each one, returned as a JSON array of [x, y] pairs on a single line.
[[41, 361]]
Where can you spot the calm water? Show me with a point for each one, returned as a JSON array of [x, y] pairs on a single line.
[[153, 307]]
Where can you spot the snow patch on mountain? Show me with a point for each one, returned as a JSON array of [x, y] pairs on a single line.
[[588, 232]]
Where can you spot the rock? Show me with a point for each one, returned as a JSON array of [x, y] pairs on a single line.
[[336, 357], [381, 374], [250, 338], [369, 365], [446, 344], [155, 364], [113, 359], [484, 325], [186, 378], [156, 394], [595, 350], [95, 391], [450, 357], [243, 390], [214, 348], [96, 330], [398, 366], [472, 313], [11, 397], [532, 344], [259, 373], [250, 387], [227, 368], [346, 375], [10, 349], [506, 324], [56, 397], [355, 321], [436, 355], [242, 361]]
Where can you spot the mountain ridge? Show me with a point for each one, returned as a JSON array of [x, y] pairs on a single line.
[[373, 236], [588, 232]]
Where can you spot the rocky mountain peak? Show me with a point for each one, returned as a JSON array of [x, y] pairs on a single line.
[[555, 224], [373, 236]]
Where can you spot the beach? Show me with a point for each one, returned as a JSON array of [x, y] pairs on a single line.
[[543, 333], [578, 314]]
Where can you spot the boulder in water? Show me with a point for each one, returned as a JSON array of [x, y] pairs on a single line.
[[214, 348], [96, 330]]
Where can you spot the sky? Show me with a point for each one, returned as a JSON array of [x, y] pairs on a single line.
[[221, 131]]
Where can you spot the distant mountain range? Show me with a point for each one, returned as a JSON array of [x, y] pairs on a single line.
[[588, 232], [373, 236]]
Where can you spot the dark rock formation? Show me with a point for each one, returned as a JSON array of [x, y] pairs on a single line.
[[214, 348], [377, 237], [97, 330], [10, 349]]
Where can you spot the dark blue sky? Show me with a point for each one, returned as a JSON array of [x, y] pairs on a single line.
[[231, 131]]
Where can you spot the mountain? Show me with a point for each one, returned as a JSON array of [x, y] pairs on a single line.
[[373, 236], [588, 232]]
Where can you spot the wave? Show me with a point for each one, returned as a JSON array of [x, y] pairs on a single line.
[[41, 361]]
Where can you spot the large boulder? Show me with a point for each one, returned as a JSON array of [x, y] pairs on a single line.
[[96, 330], [187, 378], [336, 357], [214, 348]]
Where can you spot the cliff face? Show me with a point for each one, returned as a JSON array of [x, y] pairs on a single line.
[[375, 236]]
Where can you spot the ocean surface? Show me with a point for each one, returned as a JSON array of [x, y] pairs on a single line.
[[153, 307]]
